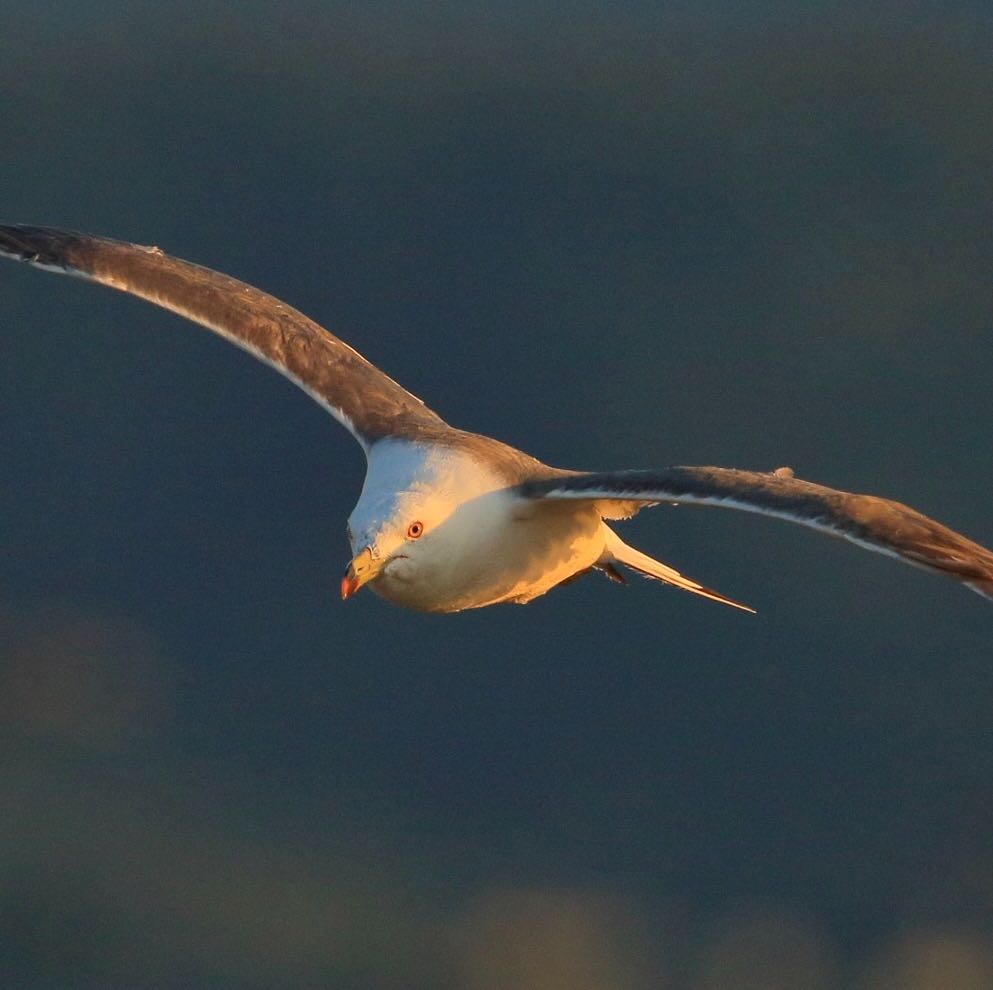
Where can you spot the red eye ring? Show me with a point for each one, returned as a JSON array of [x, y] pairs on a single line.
[[415, 530]]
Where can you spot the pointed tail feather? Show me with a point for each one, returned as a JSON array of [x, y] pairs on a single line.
[[618, 552]]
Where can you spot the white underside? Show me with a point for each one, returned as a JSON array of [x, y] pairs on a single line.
[[496, 548]]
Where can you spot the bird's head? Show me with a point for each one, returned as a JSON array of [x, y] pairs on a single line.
[[401, 530], [391, 541]]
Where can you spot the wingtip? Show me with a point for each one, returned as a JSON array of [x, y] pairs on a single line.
[[982, 588], [12, 244], [40, 246]]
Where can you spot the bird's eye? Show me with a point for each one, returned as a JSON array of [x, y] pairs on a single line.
[[414, 530]]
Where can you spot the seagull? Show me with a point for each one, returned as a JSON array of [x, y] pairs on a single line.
[[450, 520]]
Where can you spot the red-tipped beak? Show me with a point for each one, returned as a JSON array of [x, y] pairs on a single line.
[[362, 569], [349, 585]]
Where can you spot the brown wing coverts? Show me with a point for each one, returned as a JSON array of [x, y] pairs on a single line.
[[876, 523], [325, 366]]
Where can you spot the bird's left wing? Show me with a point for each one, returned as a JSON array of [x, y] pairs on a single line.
[[874, 523], [360, 396]]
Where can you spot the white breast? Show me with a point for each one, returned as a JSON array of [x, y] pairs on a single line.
[[496, 548], [482, 543]]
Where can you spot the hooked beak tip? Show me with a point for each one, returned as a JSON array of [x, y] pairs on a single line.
[[349, 585], [362, 569]]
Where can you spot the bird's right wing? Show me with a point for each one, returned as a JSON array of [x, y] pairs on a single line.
[[369, 403], [874, 523]]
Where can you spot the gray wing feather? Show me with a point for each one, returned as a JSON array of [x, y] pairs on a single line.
[[356, 392], [874, 523]]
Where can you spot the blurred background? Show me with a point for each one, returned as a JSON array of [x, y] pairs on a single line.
[[624, 235]]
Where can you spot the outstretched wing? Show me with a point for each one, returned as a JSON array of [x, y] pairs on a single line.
[[370, 404], [874, 523]]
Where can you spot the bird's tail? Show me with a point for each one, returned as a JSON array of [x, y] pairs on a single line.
[[618, 552]]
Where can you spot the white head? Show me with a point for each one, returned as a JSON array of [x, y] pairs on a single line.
[[411, 489]]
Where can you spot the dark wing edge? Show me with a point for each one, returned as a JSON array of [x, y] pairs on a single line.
[[873, 523], [360, 396]]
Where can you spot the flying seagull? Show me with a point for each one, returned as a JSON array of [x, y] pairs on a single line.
[[450, 520]]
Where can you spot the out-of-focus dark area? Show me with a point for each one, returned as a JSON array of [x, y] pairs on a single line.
[[625, 236]]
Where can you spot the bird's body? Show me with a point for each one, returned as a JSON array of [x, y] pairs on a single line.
[[449, 520], [483, 543], [479, 542]]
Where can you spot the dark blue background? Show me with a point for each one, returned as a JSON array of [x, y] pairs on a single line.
[[623, 236]]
